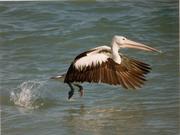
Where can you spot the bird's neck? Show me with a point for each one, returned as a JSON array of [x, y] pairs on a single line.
[[115, 54]]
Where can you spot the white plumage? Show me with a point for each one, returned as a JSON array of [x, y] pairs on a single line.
[[91, 59], [94, 58]]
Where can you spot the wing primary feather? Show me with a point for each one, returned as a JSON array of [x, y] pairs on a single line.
[[130, 80], [126, 78]]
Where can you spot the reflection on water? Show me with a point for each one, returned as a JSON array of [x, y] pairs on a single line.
[[114, 120]]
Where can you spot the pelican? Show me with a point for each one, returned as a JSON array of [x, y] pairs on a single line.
[[105, 64]]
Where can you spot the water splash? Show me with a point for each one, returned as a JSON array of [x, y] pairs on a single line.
[[28, 94]]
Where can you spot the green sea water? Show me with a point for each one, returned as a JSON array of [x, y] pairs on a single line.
[[40, 39]]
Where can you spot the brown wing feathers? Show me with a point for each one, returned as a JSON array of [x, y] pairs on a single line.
[[134, 75], [130, 73]]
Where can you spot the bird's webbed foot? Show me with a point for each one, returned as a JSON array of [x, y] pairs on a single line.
[[81, 91], [71, 92]]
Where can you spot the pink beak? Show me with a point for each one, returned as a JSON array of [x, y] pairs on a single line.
[[131, 44]]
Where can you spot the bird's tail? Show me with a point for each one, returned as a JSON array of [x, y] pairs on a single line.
[[59, 77]]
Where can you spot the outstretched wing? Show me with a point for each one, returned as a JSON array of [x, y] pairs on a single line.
[[130, 73], [98, 66]]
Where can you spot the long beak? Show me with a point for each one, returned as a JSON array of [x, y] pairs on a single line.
[[131, 44]]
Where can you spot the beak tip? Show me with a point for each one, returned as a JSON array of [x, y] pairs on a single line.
[[160, 51]]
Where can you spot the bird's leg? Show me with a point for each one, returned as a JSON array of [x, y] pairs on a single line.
[[71, 92], [81, 91]]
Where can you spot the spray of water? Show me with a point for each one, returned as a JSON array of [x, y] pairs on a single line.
[[28, 94]]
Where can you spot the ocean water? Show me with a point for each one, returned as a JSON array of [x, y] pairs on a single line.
[[40, 39]]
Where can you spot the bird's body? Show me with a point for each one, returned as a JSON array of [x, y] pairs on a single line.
[[99, 66], [104, 64]]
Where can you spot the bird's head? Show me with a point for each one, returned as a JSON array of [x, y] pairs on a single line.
[[123, 42]]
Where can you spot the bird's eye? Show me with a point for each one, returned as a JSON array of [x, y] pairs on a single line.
[[123, 38]]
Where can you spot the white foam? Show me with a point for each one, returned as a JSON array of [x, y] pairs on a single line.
[[27, 94]]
